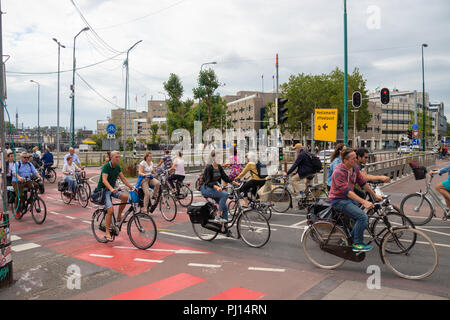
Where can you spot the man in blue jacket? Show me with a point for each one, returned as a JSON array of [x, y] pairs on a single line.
[[47, 158], [304, 168]]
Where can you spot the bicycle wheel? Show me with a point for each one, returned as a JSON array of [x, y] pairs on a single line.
[[185, 196], [83, 197], [418, 208], [87, 187], [378, 227], [253, 228], [38, 210], [316, 235], [203, 233], [98, 223], [168, 207], [142, 230], [231, 208], [265, 209], [51, 175], [281, 199], [66, 197], [416, 261]]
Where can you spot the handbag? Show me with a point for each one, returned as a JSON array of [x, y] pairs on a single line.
[[98, 196]]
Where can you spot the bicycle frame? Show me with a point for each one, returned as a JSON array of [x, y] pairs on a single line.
[[434, 197]]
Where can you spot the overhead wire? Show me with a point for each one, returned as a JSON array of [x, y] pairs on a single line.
[[94, 90]]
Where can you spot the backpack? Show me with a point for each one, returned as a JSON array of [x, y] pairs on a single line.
[[315, 162], [261, 168]]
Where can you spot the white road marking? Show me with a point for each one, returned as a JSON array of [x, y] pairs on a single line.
[[266, 269], [100, 255], [15, 238], [437, 232], [25, 246], [204, 265], [69, 217], [85, 221], [299, 223], [53, 212], [177, 251], [179, 235], [147, 260]]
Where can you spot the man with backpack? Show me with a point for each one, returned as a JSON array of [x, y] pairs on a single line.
[[304, 165]]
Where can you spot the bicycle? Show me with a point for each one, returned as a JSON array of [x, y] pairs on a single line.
[[50, 173], [328, 244], [84, 181], [281, 196], [140, 225], [263, 207], [81, 193], [184, 196], [419, 206], [166, 202], [252, 226], [31, 202]]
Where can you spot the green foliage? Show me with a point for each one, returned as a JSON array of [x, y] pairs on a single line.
[[428, 123], [154, 132], [98, 138], [308, 92], [448, 129]]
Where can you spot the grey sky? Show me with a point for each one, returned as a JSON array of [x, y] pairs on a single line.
[[242, 36]]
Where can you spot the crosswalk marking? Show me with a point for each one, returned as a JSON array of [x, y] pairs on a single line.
[[24, 247], [15, 238]]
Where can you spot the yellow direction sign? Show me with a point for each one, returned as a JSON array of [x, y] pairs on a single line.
[[325, 124]]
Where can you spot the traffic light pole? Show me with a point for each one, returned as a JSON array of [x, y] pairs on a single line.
[[345, 76]]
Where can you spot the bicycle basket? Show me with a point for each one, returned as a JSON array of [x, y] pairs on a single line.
[[420, 173], [133, 197]]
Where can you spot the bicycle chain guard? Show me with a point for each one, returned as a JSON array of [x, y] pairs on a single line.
[[345, 252]]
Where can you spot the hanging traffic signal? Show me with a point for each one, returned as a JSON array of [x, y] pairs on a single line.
[[356, 99], [282, 118], [384, 96]]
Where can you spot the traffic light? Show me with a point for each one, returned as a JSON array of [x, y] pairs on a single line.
[[356, 99], [282, 110], [384, 96], [409, 134], [280, 153]]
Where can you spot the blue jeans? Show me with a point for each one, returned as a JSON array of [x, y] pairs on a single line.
[[350, 208], [72, 183], [219, 197], [108, 200]]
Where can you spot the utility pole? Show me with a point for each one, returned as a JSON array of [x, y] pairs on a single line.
[[276, 95], [57, 102], [345, 76]]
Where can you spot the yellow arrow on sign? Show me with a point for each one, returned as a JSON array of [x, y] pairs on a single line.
[[325, 121]]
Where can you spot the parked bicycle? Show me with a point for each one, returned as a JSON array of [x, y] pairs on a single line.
[[31, 202], [419, 206], [141, 228], [81, 193], [408, 252], [281, 196], [252, 226]]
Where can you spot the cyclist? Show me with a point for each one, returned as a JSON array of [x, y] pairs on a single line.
[[363, 157], [255, 182], [9, 168], [211, 187], [23, 169], [235, 165], [36, 158], [47, 158], [146, 171], [179, 175], [344, 199], [108, 177], [335, 160], [68, 171], [167, 160], [75, 158], [108, 157], [304, 168], [443, 187]]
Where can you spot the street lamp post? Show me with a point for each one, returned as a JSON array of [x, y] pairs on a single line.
[[126, 100], [200, 93], [39, 128], [72, 115], [424, 45], [345, 76], [57, 100]]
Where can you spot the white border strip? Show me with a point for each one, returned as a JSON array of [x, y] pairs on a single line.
[[266, 269]]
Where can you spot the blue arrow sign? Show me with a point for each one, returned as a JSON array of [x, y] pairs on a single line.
[[111, 128]]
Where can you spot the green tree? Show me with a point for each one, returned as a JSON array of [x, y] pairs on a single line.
[[212, 106], [308, 92], [448, 129], [98, 138], [154, 132]]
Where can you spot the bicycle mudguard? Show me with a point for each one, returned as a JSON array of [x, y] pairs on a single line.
[[343, 252]]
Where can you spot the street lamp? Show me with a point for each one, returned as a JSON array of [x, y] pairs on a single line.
[[39, 128], [57, 100], [126, 100], [72, 115], [200, 93], [424, 45]]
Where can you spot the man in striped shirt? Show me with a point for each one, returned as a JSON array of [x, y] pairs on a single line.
[[344, 199]]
